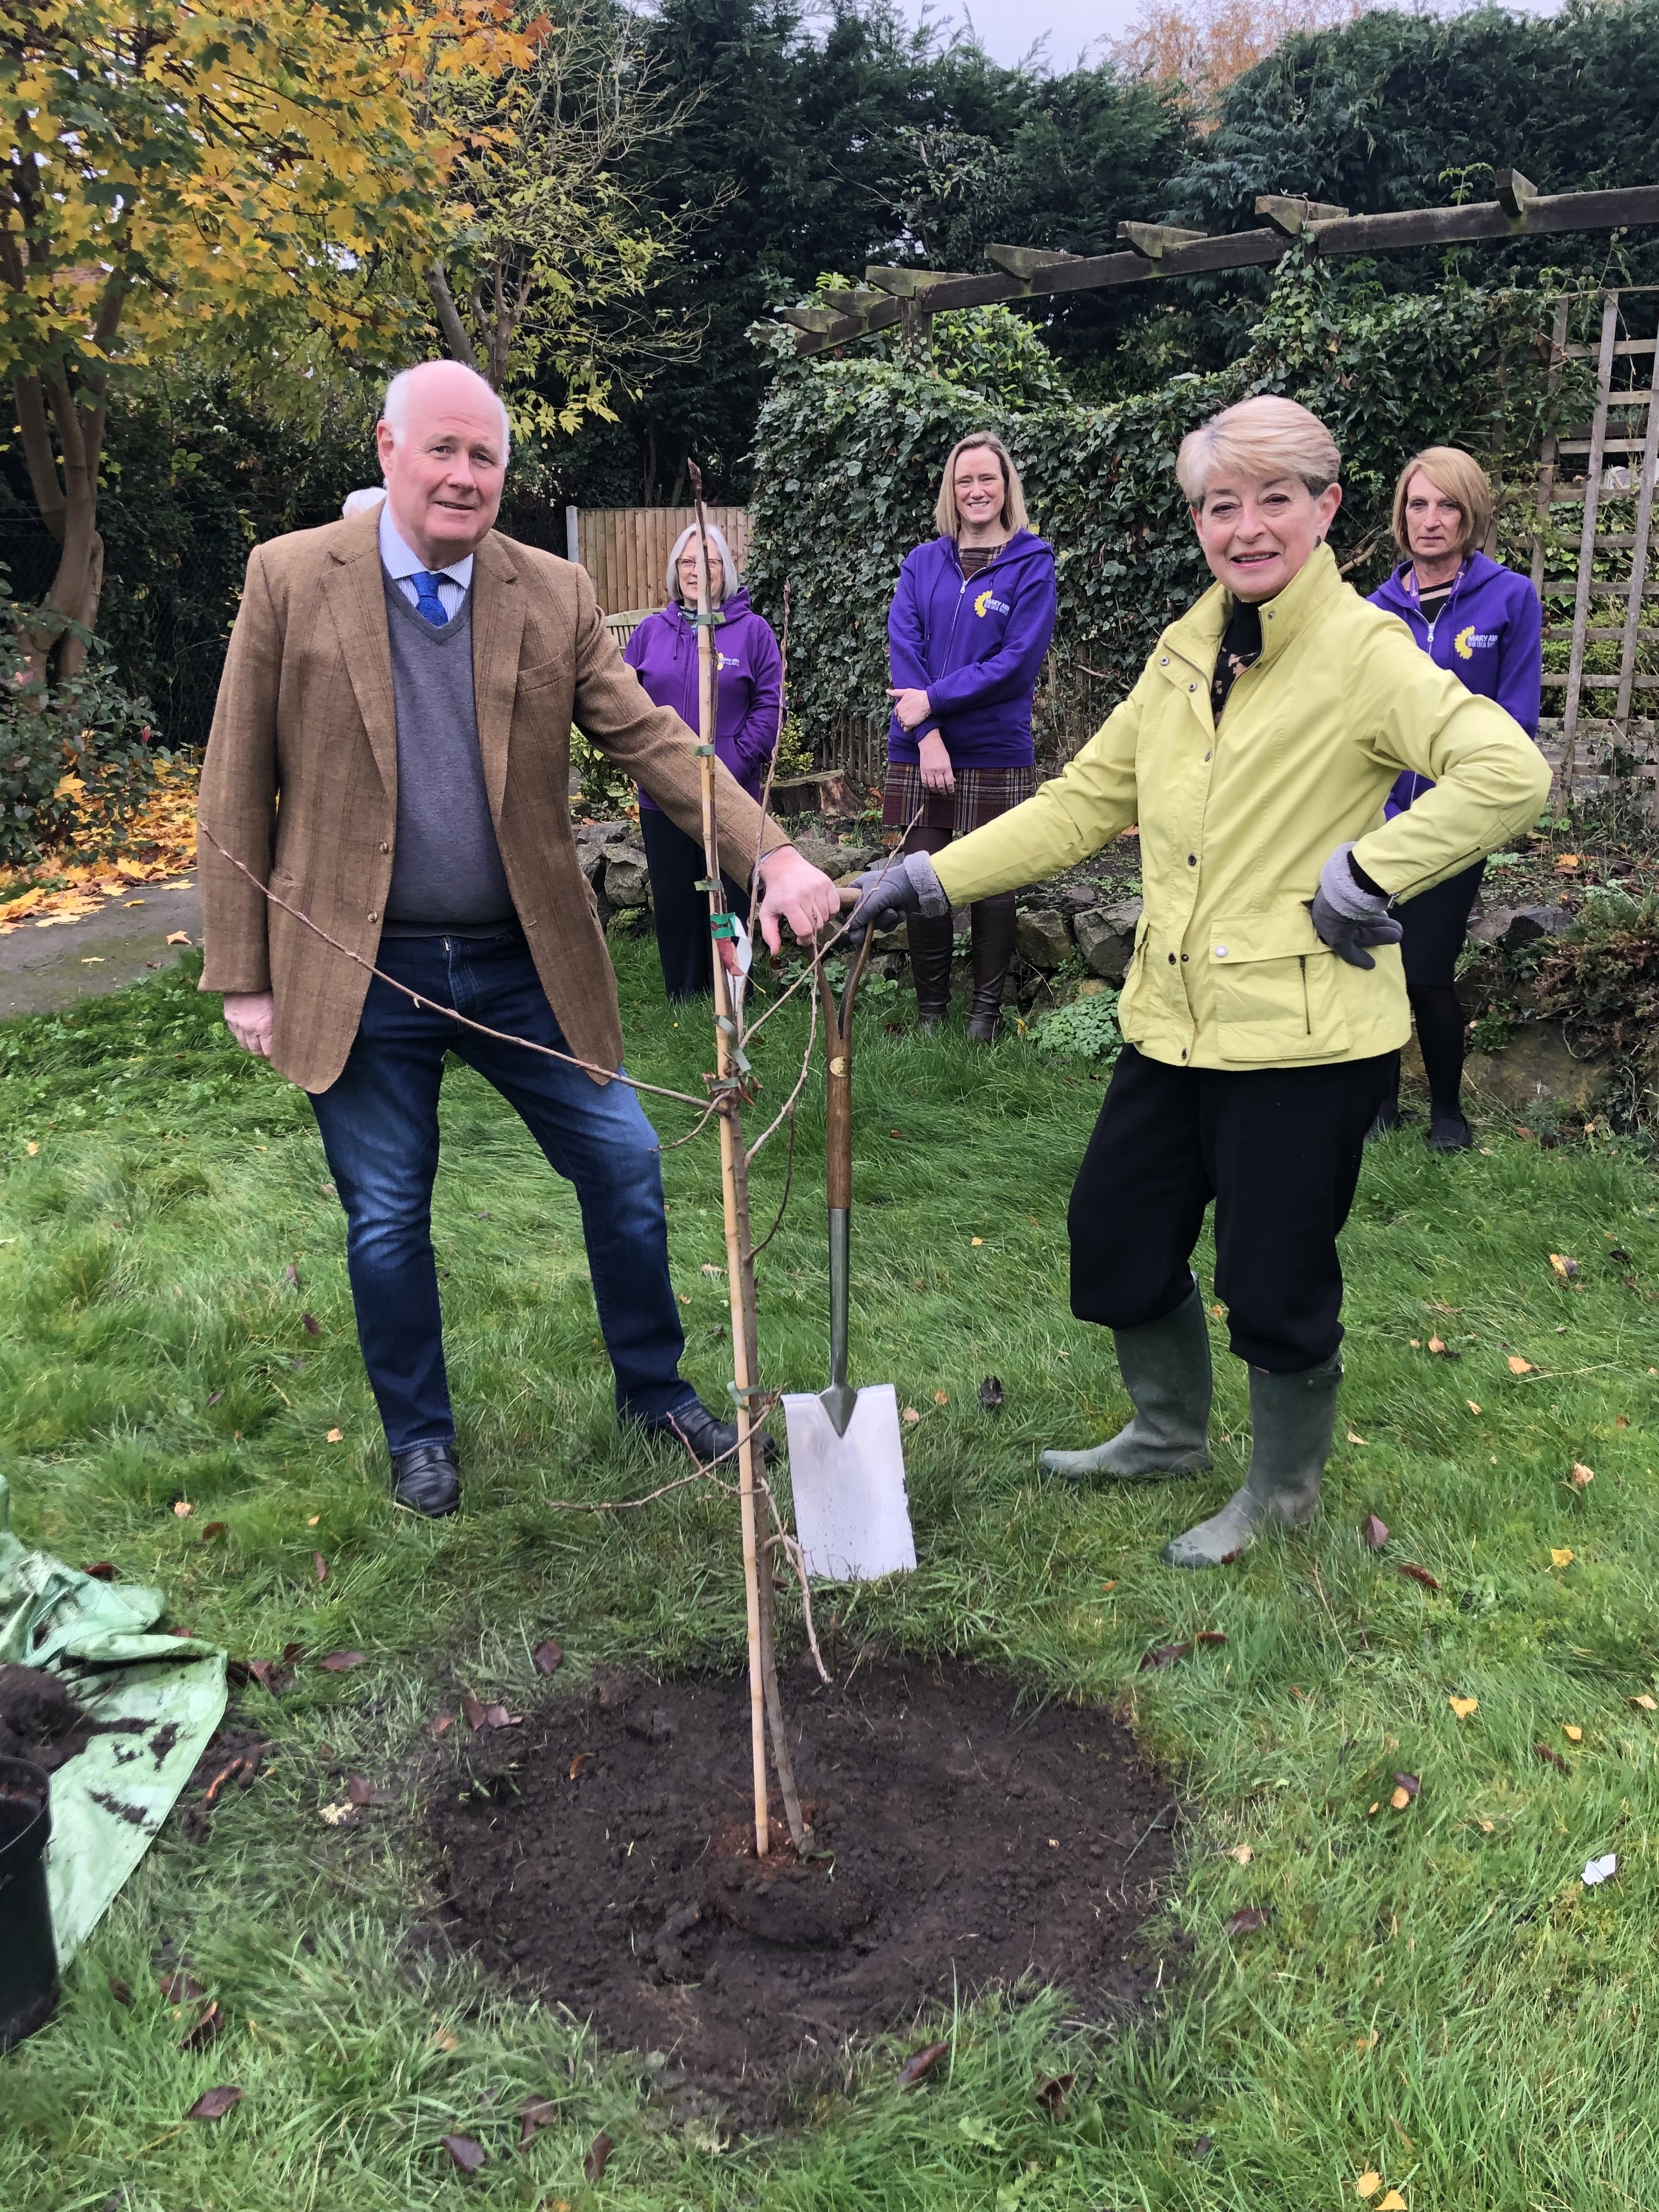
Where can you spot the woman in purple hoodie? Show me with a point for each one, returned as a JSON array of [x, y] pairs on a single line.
[[748, 703], [1483, 622], [970, 623]]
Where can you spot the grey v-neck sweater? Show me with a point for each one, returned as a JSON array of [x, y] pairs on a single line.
[[446, 872]]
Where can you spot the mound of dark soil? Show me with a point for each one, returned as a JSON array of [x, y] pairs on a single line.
[[38, 1719], [606, 1858]]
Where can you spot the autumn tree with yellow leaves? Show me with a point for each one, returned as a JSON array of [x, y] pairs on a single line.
[[254, 170]]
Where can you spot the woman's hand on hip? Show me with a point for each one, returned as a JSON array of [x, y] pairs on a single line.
[[937, 774], [912, 707]]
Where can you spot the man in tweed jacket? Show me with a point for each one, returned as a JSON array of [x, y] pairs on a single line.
[[391, 755]]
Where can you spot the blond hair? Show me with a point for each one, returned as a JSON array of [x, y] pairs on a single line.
[[1458, 477], [946, 518], [1265, 437]]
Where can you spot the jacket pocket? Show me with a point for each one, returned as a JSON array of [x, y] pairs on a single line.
[[1277, 996]]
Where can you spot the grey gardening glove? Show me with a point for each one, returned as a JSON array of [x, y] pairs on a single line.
[[1347, 916], [906, 886]]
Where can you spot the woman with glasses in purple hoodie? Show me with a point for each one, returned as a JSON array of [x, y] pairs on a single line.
[[1485, 625], [970, 624], [748, 715]]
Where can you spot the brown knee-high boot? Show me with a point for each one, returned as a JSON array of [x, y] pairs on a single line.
[[993, 923], [930, 966]]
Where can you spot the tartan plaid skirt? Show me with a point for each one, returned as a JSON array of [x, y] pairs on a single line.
[[981, 793]]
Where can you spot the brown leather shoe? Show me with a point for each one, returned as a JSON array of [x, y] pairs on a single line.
[[930, 967]]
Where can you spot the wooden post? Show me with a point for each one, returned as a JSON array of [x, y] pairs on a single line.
[[733, 1183]]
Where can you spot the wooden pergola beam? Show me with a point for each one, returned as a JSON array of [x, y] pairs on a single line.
[[1023, 273]]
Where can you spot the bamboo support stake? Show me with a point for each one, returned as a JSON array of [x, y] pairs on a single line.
[[729, 1076]]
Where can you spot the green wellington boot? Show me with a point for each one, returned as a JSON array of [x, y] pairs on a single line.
[[1292, 1417], [1165, 1367]]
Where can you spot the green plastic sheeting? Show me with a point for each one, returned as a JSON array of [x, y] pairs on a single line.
[[157, 1698]]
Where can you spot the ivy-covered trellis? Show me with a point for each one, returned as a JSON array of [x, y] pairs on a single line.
[[849, 454]]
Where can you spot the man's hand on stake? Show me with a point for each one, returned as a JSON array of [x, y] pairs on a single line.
[[909, 885], [249, 1016], [794, 890], [937, 774]]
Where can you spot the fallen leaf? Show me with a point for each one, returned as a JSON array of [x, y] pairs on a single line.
[[30, 1148], [1375, 1532], [1573, 1734], [340, 1662], [921, 2063], [439, 1722], [1410, 1569], [1566, 861], [1581, 1476], [467, 2154], [182, 1508], [1411, 1783], [941, 1398], [211, 2024], [990, 1393], [315, 1519], [1218, 1311], [1519, 1366], [709, 1268], [215, 1398], [319, 1566], [444, 2038], [1354, 1439], [535, 2113], [1561, 1557], [1242, 1853], [1597, 1871], [1487, 1827], [214, 2104], [1464, 1706], [1551, 1756], [310, 1323], [1209, 1635], [1052, 2094], [214, 1528], [1648, 1705], [1564, 1267], [1436, 1344], [341, 1815], [293, 1274], [1472, 1407], [120, 1991], [174, 937], [1393, 2201], [1368, 2183], [975, 1240], [1245, 1922], [1621, 1422], [497, 1717], [1376, 1807], [100, 1571], [181, 1988], [1165, 1655], [546, 1658], [599, 2156], [1414, 1343], [911, 1414], [335, 1436], [1111, 1585], [577, 1764], [473, 1708]]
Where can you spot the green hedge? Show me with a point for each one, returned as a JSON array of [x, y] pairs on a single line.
[[849, 452]]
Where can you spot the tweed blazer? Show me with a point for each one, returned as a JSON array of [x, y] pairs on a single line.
[[300, 780]]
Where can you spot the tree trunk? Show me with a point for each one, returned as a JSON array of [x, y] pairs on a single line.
[[449, 316]]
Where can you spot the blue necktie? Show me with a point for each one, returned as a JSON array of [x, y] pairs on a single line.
[[426, 598]]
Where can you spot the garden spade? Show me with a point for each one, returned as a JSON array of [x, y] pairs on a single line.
[[846, 1462]]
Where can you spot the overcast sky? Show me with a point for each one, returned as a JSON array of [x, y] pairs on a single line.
[[1073, 28]]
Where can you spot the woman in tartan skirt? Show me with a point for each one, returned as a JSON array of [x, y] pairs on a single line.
[[970, 624]]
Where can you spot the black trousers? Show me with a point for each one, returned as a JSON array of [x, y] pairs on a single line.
[[680, 910], [1278, 1149], [1435, 924]]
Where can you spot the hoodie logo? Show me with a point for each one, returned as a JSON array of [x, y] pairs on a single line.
[[1468, 641], [987, 601]]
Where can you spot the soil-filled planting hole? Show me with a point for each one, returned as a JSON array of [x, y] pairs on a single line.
[[604, 1857], [39, 1720]]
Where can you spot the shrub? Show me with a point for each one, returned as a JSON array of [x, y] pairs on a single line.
[[1085, 1029]]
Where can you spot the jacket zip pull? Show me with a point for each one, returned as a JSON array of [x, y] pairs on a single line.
[[1307, 1006]]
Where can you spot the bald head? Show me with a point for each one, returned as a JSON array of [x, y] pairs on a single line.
[[443, 439]]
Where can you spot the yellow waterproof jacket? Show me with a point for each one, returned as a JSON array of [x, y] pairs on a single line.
[[1236, 820]]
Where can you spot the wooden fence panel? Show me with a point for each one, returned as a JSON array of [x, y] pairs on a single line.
[[625, 549]]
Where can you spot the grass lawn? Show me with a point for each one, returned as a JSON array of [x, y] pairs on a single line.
[[1436, 1998]]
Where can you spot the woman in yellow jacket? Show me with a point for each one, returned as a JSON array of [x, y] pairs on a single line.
[[1266, 994]]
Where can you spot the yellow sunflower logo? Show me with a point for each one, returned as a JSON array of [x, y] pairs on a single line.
[[1463, 643]]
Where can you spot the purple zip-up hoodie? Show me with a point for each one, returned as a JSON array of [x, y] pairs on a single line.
[[975, 644], [747, 689], [1489, 634]]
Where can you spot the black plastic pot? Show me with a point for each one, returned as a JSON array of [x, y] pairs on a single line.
[[28, 1956]]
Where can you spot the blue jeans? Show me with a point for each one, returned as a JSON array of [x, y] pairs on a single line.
[[380, 1127]]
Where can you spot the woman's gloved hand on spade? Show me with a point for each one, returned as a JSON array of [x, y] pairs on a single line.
[[1349, 913], [905, 886]]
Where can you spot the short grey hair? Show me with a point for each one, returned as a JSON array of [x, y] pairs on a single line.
[[394, 409], [1261, 438], [716, 544]]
